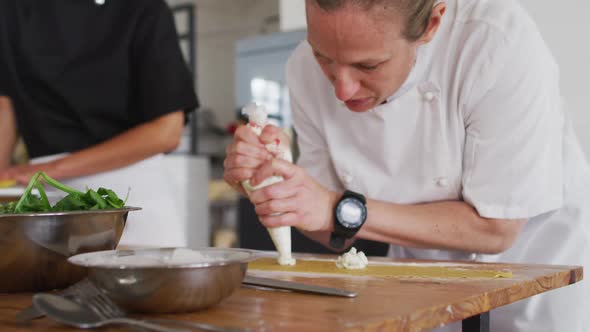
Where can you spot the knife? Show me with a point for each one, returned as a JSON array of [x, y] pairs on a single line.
[[296, 287]]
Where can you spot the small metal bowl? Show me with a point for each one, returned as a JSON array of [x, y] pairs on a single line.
[[35, 247], [164, 285]]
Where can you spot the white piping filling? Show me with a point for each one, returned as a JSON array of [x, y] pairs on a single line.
[[352, 260]]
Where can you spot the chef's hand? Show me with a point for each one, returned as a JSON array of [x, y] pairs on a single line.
[[247, 153], [23, 173], [298, 201]]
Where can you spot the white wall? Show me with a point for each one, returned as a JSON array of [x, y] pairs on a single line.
[[292, 14], [564, 25]]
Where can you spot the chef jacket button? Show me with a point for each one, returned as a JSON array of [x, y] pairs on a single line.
[[347, 178], [442, 182], [429, 96]]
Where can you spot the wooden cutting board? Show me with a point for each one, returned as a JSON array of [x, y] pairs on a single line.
[[376, 269]]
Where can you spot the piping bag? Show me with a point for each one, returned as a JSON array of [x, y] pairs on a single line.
[[281, 236]]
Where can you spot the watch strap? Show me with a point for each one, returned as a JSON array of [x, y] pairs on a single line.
[[348, 193], [337, 241]]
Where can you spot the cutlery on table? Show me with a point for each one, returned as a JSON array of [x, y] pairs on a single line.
[[74, 314], [71, 313], [31, 312], [86, 291]]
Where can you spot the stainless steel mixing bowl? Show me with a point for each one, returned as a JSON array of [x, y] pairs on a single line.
[[34, 247], [167, 287]]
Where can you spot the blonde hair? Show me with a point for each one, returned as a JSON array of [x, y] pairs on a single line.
[[416, 12]]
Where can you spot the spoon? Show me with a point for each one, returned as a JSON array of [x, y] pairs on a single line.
[[71, 313]]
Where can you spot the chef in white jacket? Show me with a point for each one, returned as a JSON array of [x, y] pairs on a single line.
[[447, 117]]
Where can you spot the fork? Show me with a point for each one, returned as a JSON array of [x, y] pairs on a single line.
[[87, 294], [90, 296]]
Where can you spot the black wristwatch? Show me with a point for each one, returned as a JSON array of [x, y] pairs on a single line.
[[350, 214]]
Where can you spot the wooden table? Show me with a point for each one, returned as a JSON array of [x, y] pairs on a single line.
[[383, 304]]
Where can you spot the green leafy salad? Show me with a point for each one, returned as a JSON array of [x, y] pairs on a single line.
[[74, 201]]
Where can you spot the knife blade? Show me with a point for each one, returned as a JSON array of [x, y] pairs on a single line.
[[297, 287]]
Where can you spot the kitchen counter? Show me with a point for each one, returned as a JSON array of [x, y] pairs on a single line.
[[383, 304]]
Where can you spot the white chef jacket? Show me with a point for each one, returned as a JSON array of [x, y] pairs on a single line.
[[479, 119], [158, 224]]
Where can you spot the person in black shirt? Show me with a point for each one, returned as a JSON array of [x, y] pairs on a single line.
[[106, 83], [98, 89]]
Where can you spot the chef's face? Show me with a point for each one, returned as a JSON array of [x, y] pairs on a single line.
[[363, 53]]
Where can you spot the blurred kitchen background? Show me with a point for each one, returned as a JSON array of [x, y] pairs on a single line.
[[237, 50]]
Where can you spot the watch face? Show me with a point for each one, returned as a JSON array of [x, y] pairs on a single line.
[[351, 213]]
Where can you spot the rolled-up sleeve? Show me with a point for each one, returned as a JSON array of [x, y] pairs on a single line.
[[514, 131]]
